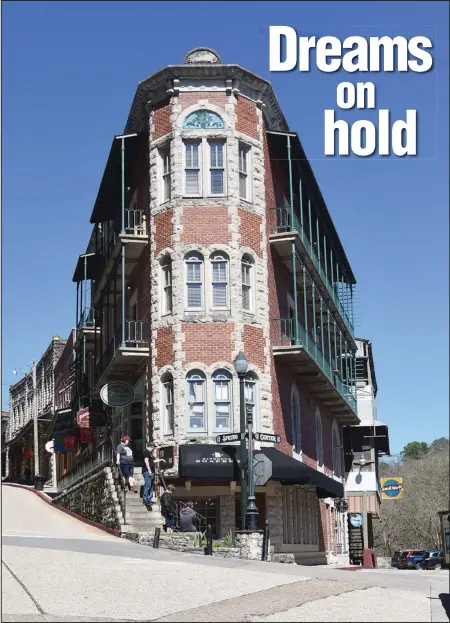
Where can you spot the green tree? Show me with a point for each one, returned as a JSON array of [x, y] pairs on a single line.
[[441, 445], [415, 450]]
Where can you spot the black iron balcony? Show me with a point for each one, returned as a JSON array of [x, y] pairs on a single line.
[[328, 380], [287, 228], [128, 346]]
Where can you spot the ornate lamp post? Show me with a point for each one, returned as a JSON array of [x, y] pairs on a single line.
[[241, 367], [251, 515]]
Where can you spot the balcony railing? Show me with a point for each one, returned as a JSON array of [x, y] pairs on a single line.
[[288, 332], [135, 222], [285, 223], [100, 458], [136, 335], [87, 318]]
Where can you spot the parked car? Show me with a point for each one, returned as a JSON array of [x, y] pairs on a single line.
[[432, 560], [395, 559], [412, 559]]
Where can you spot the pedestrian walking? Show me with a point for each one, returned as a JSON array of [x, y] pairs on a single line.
[[168, 509], [125, 461], [188, 518], [148, 471]]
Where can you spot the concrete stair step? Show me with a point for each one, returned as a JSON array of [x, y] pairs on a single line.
[[141, 514]]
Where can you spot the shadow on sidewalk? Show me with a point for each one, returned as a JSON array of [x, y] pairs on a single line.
[[445, 601]]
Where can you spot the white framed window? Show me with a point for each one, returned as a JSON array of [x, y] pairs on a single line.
[[336, 445], [319, 439], [244, 170], [166, 283], [216, 168], [219, 280], [251, 397], [164, 156], [167, 404], [196, 407], [204, 163], [194, 282], [222, 400], [192, 169], [296, 420], [247, 273]]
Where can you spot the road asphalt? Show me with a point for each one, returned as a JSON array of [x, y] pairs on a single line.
[[56, 568]]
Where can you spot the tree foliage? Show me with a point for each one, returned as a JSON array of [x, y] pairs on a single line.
[[412, 521], [415, 450]]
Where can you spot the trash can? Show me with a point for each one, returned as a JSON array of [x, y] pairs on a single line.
[[39, 483]]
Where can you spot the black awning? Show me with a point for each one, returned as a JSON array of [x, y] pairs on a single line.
[[109, 195], [79, 274], [213, 462]]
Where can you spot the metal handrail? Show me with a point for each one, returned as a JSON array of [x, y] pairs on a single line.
[[286, 330], [284, 223]]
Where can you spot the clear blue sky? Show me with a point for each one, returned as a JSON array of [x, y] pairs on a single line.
[[70, 71]]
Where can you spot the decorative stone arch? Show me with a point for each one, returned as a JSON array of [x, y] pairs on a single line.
[[203, 107]]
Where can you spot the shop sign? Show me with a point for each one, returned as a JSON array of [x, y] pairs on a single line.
[[83, 418], [49, 446], [117, 394], [356, 520], [391, 488], [86, 435], [166, 453]]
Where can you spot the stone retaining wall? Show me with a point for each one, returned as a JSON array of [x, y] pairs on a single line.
[[94, 498]]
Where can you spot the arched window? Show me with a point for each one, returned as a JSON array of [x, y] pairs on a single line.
[[247, 272], [296, 422], [222, 400], [336, 445], [319, 440], [219, 278], [167, 411], [204, 120], [194, 281], [251, 397], [166, 285], [196, 401]]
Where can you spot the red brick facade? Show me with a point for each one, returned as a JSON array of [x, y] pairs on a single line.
[[250, 229], [205, 225], [207, 343], [254, 345], [188, 99], [163, 231], [164, 346], [247, 117], [162, 121]]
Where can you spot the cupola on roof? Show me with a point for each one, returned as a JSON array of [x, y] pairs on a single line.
[[202, 56]]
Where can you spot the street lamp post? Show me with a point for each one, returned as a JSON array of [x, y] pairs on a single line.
[[251, 515], [241, 367]]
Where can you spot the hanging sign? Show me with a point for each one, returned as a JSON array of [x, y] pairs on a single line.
[[69, 442], [49, 447], [83, 418], [356, 520], [86, 435], [391, 488], [117, 394]]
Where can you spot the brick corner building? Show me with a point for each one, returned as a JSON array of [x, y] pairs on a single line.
[[210, 237]]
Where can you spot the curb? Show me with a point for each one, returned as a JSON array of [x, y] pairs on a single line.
[[48, 500]]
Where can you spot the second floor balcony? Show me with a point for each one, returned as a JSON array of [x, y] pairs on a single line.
[[125, 353], [330, 379]]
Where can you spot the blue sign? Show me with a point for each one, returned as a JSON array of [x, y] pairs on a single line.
[[356, 520]]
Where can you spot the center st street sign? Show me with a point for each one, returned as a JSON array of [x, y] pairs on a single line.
[[230, 437]]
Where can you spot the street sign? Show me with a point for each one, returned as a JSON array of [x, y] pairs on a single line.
[[262, 469], [229, 437], [356, 520], [266, 437]]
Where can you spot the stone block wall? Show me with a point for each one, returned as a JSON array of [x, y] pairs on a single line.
[[94, 498]]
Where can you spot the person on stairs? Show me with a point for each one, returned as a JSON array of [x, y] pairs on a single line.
[[168, 509], [125, 461], [148, 471]]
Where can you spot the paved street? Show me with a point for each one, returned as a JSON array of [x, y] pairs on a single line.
[[56, 568]]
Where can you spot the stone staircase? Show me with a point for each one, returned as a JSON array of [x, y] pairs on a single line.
[[137, 517]]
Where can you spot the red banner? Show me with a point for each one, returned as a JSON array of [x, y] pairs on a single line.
[[83, 418], [28, 453], [86, 435], [69, 442]]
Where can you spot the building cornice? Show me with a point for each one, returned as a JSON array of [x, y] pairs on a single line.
[[158, 87]]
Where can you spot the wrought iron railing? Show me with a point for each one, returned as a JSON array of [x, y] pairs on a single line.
[[286, 222], [136, 335], [135, 222], [286, 332], [101, 457], [87, 318]]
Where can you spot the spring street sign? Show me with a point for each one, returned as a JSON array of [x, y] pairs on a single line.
[[230, 437], [391, 488]]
